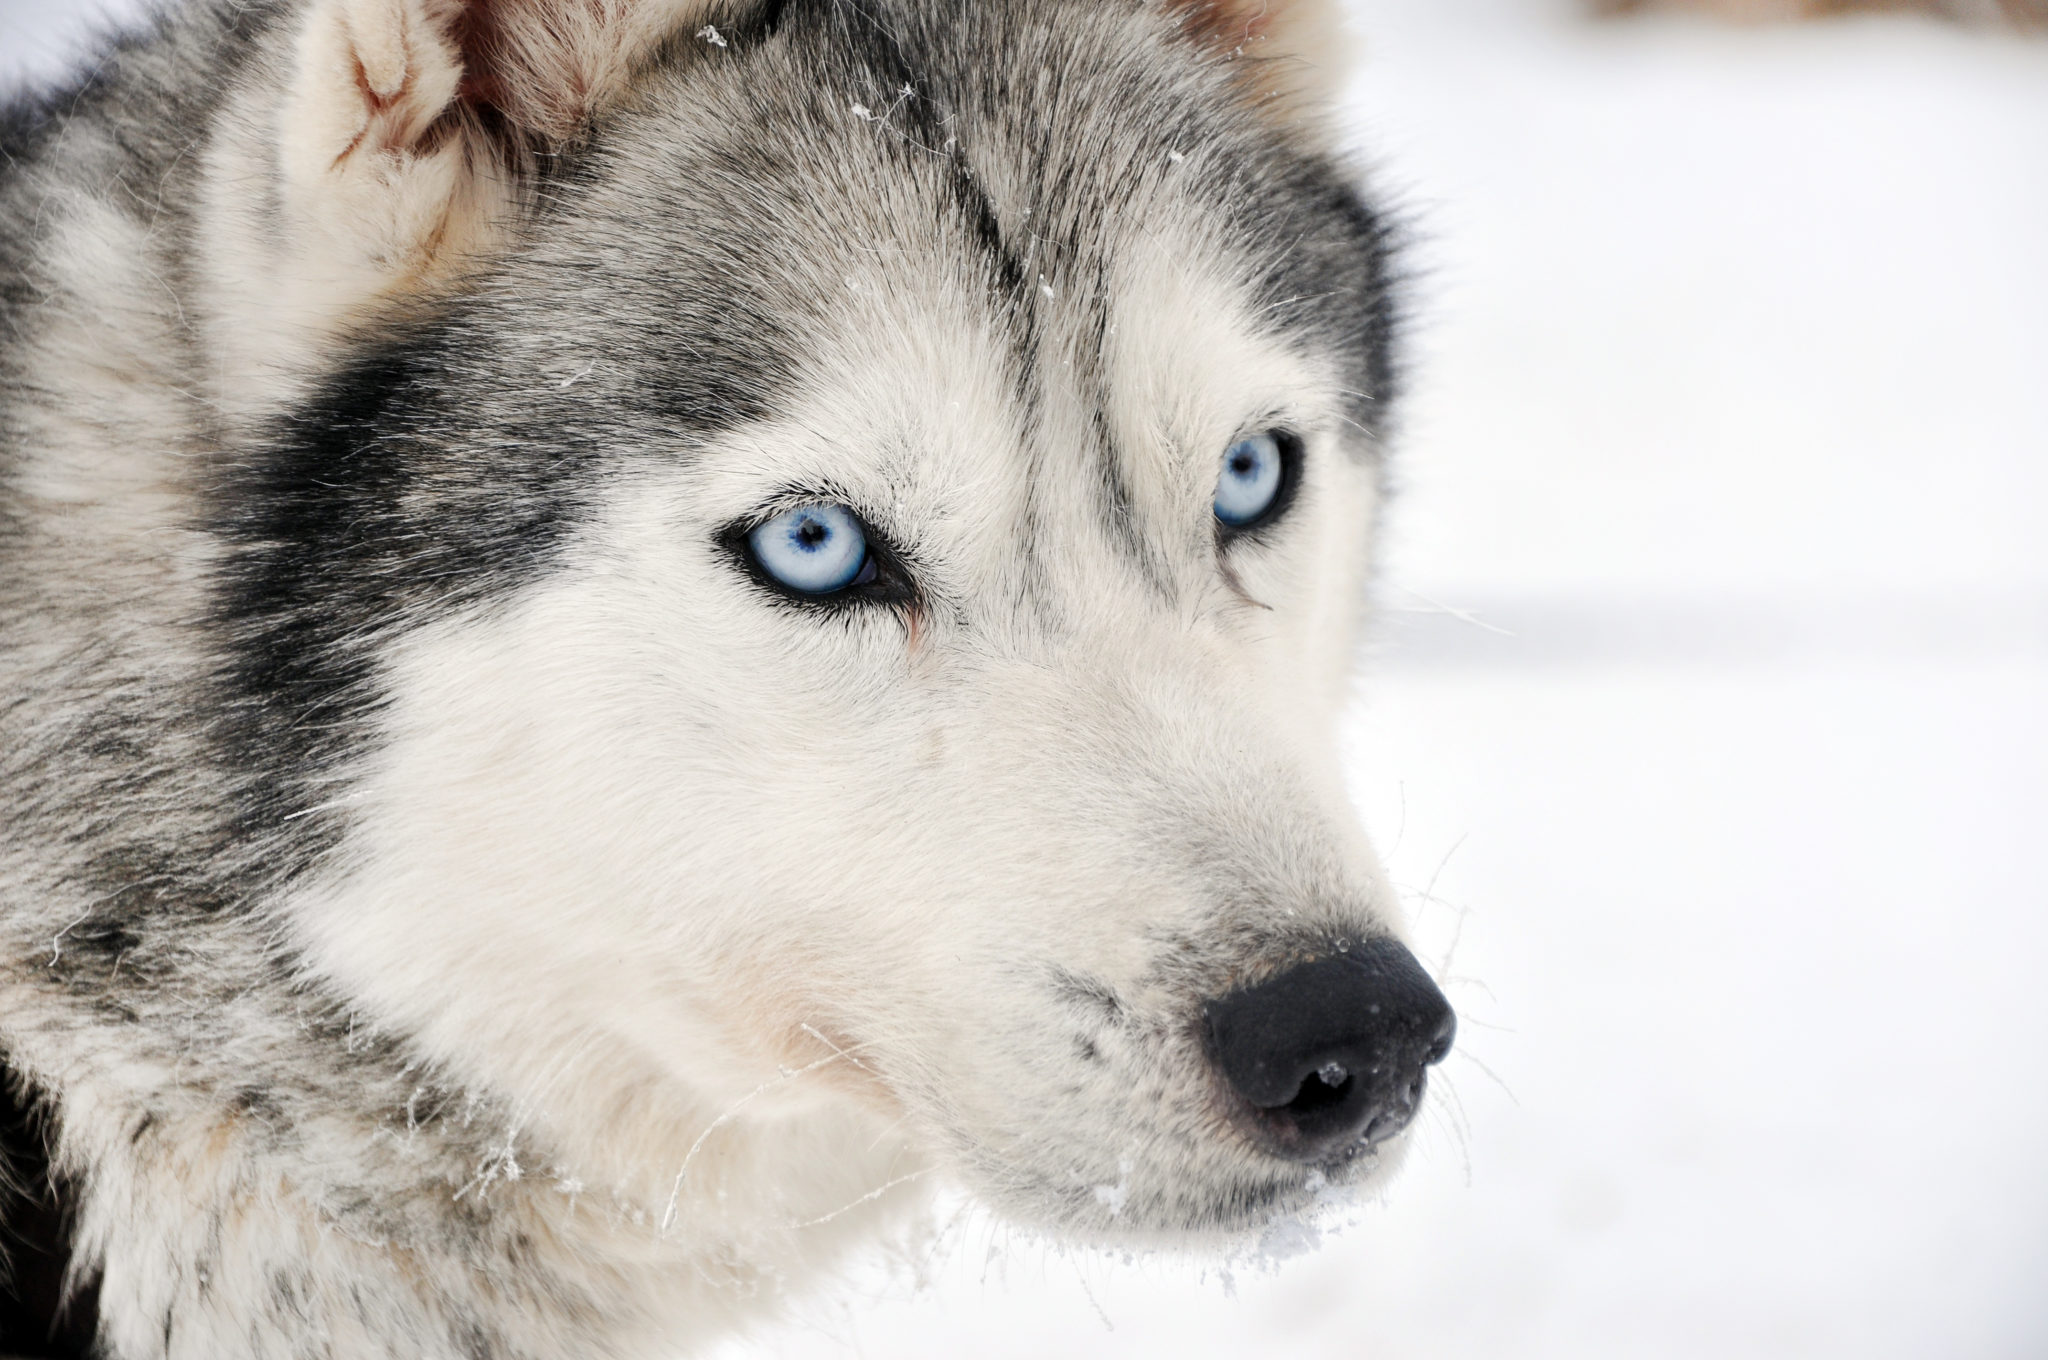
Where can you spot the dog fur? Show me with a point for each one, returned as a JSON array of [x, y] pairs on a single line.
[[447, 908]]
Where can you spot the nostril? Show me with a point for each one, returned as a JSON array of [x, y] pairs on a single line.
[[1328, 1088], [1332, 1053]]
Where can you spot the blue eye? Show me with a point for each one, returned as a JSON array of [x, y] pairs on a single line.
[[813, 550], [1250, 484]]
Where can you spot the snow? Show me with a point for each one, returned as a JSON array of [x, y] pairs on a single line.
[[1709, 722], [39, 38]]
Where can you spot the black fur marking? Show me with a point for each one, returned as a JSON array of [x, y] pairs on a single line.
[[309, 578], [36, 1322], [1338, 281]]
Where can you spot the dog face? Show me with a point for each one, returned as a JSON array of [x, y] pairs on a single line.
[[846, 621]]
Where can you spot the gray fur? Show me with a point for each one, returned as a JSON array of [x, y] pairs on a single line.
[[184, 705]]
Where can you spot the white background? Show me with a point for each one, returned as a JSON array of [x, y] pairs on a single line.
[[1730, 430]]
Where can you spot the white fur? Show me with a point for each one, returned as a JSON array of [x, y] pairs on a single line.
[[763, 787], [750, 921]]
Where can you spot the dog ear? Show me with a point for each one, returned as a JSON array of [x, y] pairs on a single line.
[[410, 126], [1293, 53]]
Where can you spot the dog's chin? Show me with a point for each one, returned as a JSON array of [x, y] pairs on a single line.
[[1223, 1209]]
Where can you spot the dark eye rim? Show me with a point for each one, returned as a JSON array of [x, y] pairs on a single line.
[[891, 584], [1292, 452]]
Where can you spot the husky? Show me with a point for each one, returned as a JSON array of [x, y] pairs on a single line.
[[632, 631]]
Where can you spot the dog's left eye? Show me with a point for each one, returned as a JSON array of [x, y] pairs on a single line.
[[1252, 488], [813, 550]]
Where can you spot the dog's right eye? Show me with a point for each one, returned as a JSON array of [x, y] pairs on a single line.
[[813, 550]]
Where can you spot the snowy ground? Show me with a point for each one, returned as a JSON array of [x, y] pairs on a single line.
[[1731, 429]]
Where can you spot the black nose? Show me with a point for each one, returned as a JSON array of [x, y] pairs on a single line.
[[1332, 1053]]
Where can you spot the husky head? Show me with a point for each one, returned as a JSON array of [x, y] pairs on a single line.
[[821, 597]]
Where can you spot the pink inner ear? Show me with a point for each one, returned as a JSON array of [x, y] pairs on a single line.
[[471, 30], [1228, 25], [495, 72], [528, 59]]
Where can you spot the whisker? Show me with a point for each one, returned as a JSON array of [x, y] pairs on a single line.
[[884, 1188], [1491, 1075], [668, 1216]]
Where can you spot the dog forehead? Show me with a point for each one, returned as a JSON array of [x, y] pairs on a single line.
[[965, 149], [929, 213]]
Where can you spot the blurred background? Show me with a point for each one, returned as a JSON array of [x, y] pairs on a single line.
[[1706, 722]]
